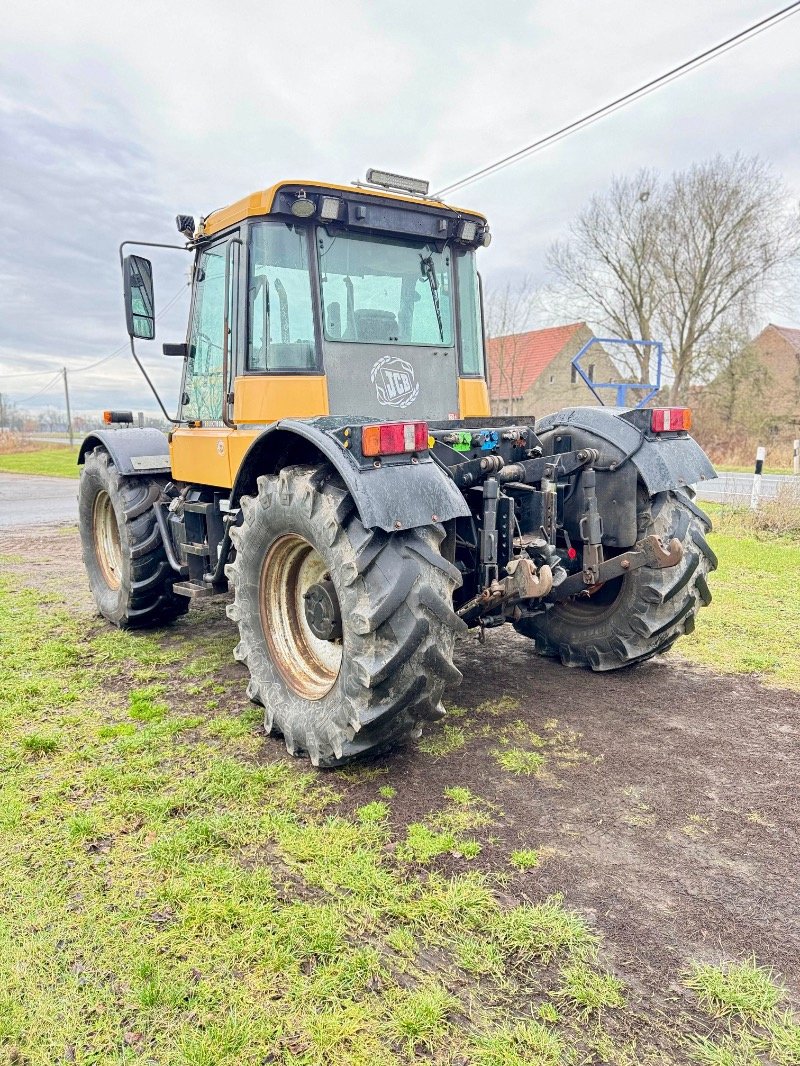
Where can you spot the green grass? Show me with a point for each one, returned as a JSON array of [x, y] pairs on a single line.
[[524, 859], [519, 761], [520, 1045], [169, 896], [588, 990], [742, 989], [421, 1017], [53, 462], [175, 892], [747, 997], [752, 625]]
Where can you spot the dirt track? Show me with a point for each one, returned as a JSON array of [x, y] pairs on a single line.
[[667, 813]]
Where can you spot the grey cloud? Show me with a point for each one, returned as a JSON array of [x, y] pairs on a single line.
[[110, 132]]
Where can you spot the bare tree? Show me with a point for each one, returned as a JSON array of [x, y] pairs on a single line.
[[680, 259], [730, 239], [606, 268], [509, 311]]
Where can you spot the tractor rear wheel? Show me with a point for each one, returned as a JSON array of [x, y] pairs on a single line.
[[347, 632], [129, 575], [632, 618]]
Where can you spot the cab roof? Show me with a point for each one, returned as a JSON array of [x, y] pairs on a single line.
[[274, 200]]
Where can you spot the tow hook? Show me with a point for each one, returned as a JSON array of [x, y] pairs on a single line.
[[524, 582]]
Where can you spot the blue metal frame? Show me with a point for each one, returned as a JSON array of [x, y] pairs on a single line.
[[622, 387]]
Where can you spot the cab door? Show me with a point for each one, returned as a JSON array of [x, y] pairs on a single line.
[[201, 453]]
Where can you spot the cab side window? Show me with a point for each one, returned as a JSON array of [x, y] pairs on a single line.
[[203, 382], [280, 312], [470, 318]]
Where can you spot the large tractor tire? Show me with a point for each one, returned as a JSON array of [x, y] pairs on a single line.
[[129, 575], [632, 618], [305, 565]]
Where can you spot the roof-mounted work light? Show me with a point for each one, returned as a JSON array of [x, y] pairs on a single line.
[[387, 180], [186, 226], [467, 231], [302, 206], [329, 208]]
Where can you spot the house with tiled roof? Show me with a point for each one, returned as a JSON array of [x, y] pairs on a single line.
[[777, 349], [757, 395], [532, 374]]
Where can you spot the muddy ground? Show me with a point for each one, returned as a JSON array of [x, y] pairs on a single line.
[[668, 814]]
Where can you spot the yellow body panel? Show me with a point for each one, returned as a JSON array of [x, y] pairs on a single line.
[[238, 443], [211, 455], [201, 455], [268, 398], [260, 203], [473, 398]]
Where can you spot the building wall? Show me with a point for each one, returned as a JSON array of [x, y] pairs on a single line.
[[780, 388], [554, 388]]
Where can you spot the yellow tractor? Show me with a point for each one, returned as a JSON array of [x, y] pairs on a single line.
[[333, 463]]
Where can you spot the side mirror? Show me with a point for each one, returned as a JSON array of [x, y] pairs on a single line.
[[137, 275]]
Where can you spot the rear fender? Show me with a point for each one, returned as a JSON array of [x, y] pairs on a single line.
[[133, 451], [628, 453], [393, 496]]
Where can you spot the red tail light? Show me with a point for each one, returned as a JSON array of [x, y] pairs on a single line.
[[670, 419], [394, 438]]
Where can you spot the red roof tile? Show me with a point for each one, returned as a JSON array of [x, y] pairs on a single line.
[[517, 360], [791, 335]]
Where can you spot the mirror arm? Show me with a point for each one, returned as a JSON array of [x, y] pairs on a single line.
[[169, 418], [152, 244]]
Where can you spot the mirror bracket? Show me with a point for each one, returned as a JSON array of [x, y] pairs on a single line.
[[181, 351]]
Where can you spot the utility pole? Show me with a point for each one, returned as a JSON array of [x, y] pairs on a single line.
[[69, 416], [2, 414]]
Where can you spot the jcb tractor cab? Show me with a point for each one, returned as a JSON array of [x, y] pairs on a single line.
[[333, 463]]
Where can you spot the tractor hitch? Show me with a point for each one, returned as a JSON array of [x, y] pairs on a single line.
[[648, 552], [524, 581]]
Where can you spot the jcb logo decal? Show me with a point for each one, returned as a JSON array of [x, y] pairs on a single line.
[[394, 382]]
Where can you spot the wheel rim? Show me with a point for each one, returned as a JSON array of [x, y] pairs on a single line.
[[106, 539], [309, 665]]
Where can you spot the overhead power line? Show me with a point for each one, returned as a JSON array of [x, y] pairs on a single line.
[[44, 388], [627, 98], [125, 347], [98, 362]]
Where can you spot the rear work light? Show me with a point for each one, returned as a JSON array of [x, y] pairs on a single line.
[[670, 419], [394, 438]]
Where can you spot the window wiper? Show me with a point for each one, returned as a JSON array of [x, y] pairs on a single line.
[[429, 272]]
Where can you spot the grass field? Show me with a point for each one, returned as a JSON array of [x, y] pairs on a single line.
[[169, 897], [753, 623], [54, 462], [172, 896]]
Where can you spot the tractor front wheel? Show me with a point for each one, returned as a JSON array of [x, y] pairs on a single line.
[[632, 618], [347, 632], [129, 575]]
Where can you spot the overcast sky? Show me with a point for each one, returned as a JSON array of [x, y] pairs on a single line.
[[114, 117]]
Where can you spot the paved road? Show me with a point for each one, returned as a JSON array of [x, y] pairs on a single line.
[[36, 501], [31, 501], [736, 488]]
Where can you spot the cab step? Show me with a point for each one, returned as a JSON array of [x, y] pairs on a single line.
[[195, 590]]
